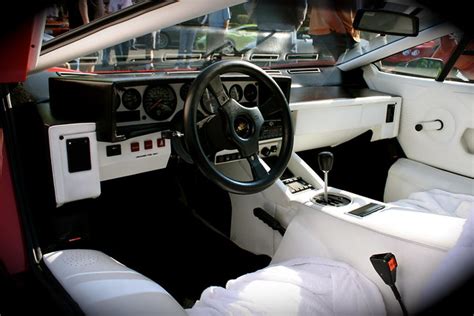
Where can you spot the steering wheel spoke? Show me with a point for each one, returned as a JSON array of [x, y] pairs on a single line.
[[217, 88], [258, 170]]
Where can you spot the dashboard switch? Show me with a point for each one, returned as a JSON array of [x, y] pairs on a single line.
[[113, 150], [161, 142], [134, 147], [148, 144], [265, 151]]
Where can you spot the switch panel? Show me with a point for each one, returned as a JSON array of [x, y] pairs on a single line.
[[74, 162]]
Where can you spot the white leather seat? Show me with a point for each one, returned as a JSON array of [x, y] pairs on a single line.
[[419, 187], [408, 176], [102, 286]]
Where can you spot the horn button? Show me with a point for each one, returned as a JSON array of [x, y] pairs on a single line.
[[243, 126]]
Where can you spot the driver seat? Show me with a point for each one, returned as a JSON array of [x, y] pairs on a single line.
[[102, 286]]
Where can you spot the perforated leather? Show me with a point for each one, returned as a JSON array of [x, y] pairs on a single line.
[[101, 285]]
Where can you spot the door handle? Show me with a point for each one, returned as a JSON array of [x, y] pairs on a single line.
[[435, 125]]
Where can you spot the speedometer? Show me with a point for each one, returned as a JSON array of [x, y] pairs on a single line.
[[159, 102]]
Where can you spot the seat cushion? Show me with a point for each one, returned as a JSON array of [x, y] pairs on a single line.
[[101, 285], [439, 202], [302, 286]]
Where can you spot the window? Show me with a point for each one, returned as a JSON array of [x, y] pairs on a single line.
[[64, 16], [262, 32], [425, 60], [463, 69]]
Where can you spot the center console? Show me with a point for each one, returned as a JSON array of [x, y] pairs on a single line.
[[301, 185], [359, 228]]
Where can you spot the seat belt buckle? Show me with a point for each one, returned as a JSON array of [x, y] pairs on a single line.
[[386, 266]]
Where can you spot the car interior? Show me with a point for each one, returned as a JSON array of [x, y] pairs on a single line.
[[238, 179]]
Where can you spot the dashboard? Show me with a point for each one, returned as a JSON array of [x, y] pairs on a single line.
[[138, 120], [131, 123], [124, 105]]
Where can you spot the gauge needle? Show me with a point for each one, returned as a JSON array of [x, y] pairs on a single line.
[[155, 104]]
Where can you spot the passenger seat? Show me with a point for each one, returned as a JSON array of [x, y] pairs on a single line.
[[408, 176], [101, 285], [415, 186]]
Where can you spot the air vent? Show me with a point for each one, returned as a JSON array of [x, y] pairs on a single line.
[[273, 72], [73, 73], [304, 70], [182, 72], [180, 57], [302, 56], [264, 57]]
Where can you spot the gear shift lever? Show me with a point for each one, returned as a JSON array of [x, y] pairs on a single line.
[[325, 161]]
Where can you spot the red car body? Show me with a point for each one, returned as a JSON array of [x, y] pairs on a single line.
[[424, 50]]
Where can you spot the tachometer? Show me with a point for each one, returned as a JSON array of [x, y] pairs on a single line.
[[131, 99], [159, 102]]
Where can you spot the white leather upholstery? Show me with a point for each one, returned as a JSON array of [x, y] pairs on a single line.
[[300, 286], [408, 176], [102, 286]]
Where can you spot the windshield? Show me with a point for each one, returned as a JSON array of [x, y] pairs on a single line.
[[269, 33]]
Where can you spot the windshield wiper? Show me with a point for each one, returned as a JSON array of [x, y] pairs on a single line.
[[217, 53], [220, 50]]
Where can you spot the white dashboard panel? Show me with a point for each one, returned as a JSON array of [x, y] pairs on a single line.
[[331, 122], [72, 185], [107, 160], [130, 162]]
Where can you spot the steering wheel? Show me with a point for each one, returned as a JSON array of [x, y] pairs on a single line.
[[240, 126]]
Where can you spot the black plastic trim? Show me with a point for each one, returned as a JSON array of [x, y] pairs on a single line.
[[453, 58], [32, 246], [415, 21]]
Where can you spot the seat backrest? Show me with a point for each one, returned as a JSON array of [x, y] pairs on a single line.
[[407, 176]]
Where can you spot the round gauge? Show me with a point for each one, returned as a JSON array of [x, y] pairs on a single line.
[[250, 92], [159, 102], [236, 92], [183, 91], [131, 99], [209, 102]]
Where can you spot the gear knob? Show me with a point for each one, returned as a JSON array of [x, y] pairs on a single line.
[[325, 161]]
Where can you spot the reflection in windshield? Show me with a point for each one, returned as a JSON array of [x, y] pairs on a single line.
[[330, 25], [269, 33]]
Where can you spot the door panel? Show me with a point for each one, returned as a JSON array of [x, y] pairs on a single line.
[[426, 100]]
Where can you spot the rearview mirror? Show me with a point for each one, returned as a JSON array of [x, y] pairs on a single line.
[[386, 22]]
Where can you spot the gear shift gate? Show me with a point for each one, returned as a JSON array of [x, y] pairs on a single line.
[[335, 200]]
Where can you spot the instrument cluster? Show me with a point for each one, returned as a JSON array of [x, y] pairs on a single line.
[[160, 101]]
